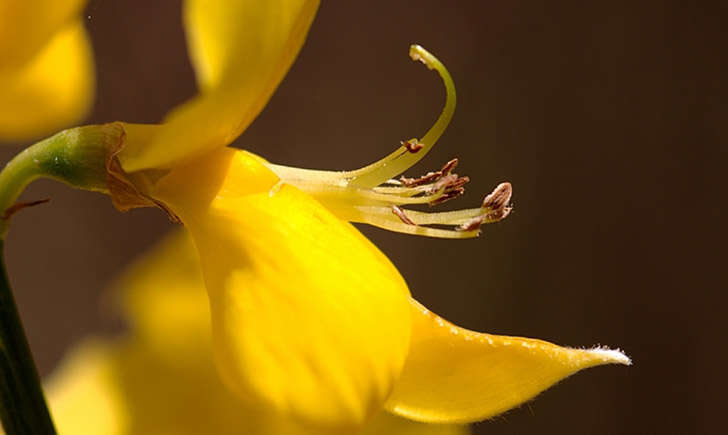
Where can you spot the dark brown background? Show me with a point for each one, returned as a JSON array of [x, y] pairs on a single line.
[[609, 119]]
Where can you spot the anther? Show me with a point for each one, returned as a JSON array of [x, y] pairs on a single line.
[[430, 177], [442, 183], [403, 217], [499, 198], [459, 182], [496, 203], [412, 145], [498, 215], [447, 196], [451, 187], [449, 166]]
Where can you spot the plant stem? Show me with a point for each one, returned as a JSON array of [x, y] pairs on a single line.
[[22, 406], [77, 157]]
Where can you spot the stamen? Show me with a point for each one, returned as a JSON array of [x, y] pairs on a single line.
[[499, 198], [400, 214], [451, 185], [496, 204], [447, 196], [371, 195], [401, 227], [430, 177], [449, 166], [463, 223], [443, 183]]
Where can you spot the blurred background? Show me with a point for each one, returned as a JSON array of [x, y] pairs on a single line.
[[609, 118]]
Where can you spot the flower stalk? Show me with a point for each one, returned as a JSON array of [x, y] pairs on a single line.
[[23, 407], [77, 157]]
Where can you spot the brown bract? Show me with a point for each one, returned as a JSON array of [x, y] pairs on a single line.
[[123, 192]]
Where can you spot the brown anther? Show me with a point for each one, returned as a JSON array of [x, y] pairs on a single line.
[[496, 204], [448, 195], [403, 217], [499, 198], [412, 145], [451, 187], [472, 224], [460, 182], [498, 215], [430, 177], [21, 205], [449, 166], [443, 183]]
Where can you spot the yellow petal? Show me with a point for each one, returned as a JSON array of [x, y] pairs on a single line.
[[241, 49], [162, 379], [52, 90], [456, 375], [309, 318], [27, 26], [164, 297], [83, 394], [142, 385], [385, 423], [126, 387]]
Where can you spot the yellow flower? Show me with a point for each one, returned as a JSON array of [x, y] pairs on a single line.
[[310, 322], [46, 67], [161, 379]]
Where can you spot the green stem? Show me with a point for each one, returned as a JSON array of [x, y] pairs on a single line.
[[22, 406], [76, 157]]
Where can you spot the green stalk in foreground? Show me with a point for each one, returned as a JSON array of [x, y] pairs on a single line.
[[22, 406], [78, 157]]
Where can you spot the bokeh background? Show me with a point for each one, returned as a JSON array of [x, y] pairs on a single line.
[[609, 118]]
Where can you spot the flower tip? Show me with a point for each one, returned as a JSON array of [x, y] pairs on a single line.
[[611, 356]]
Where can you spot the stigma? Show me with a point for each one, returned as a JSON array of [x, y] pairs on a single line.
[[379, 195]]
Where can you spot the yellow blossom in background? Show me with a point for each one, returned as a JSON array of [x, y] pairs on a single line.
[[160, 378], [46, 67]]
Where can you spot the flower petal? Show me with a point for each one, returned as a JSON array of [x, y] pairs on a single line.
[[27, 26], [164, 297], [386, 423], [162, 378], [126, 387], [456, 375], [241, 49], [52, 90], [309, 318], [83, 394]]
